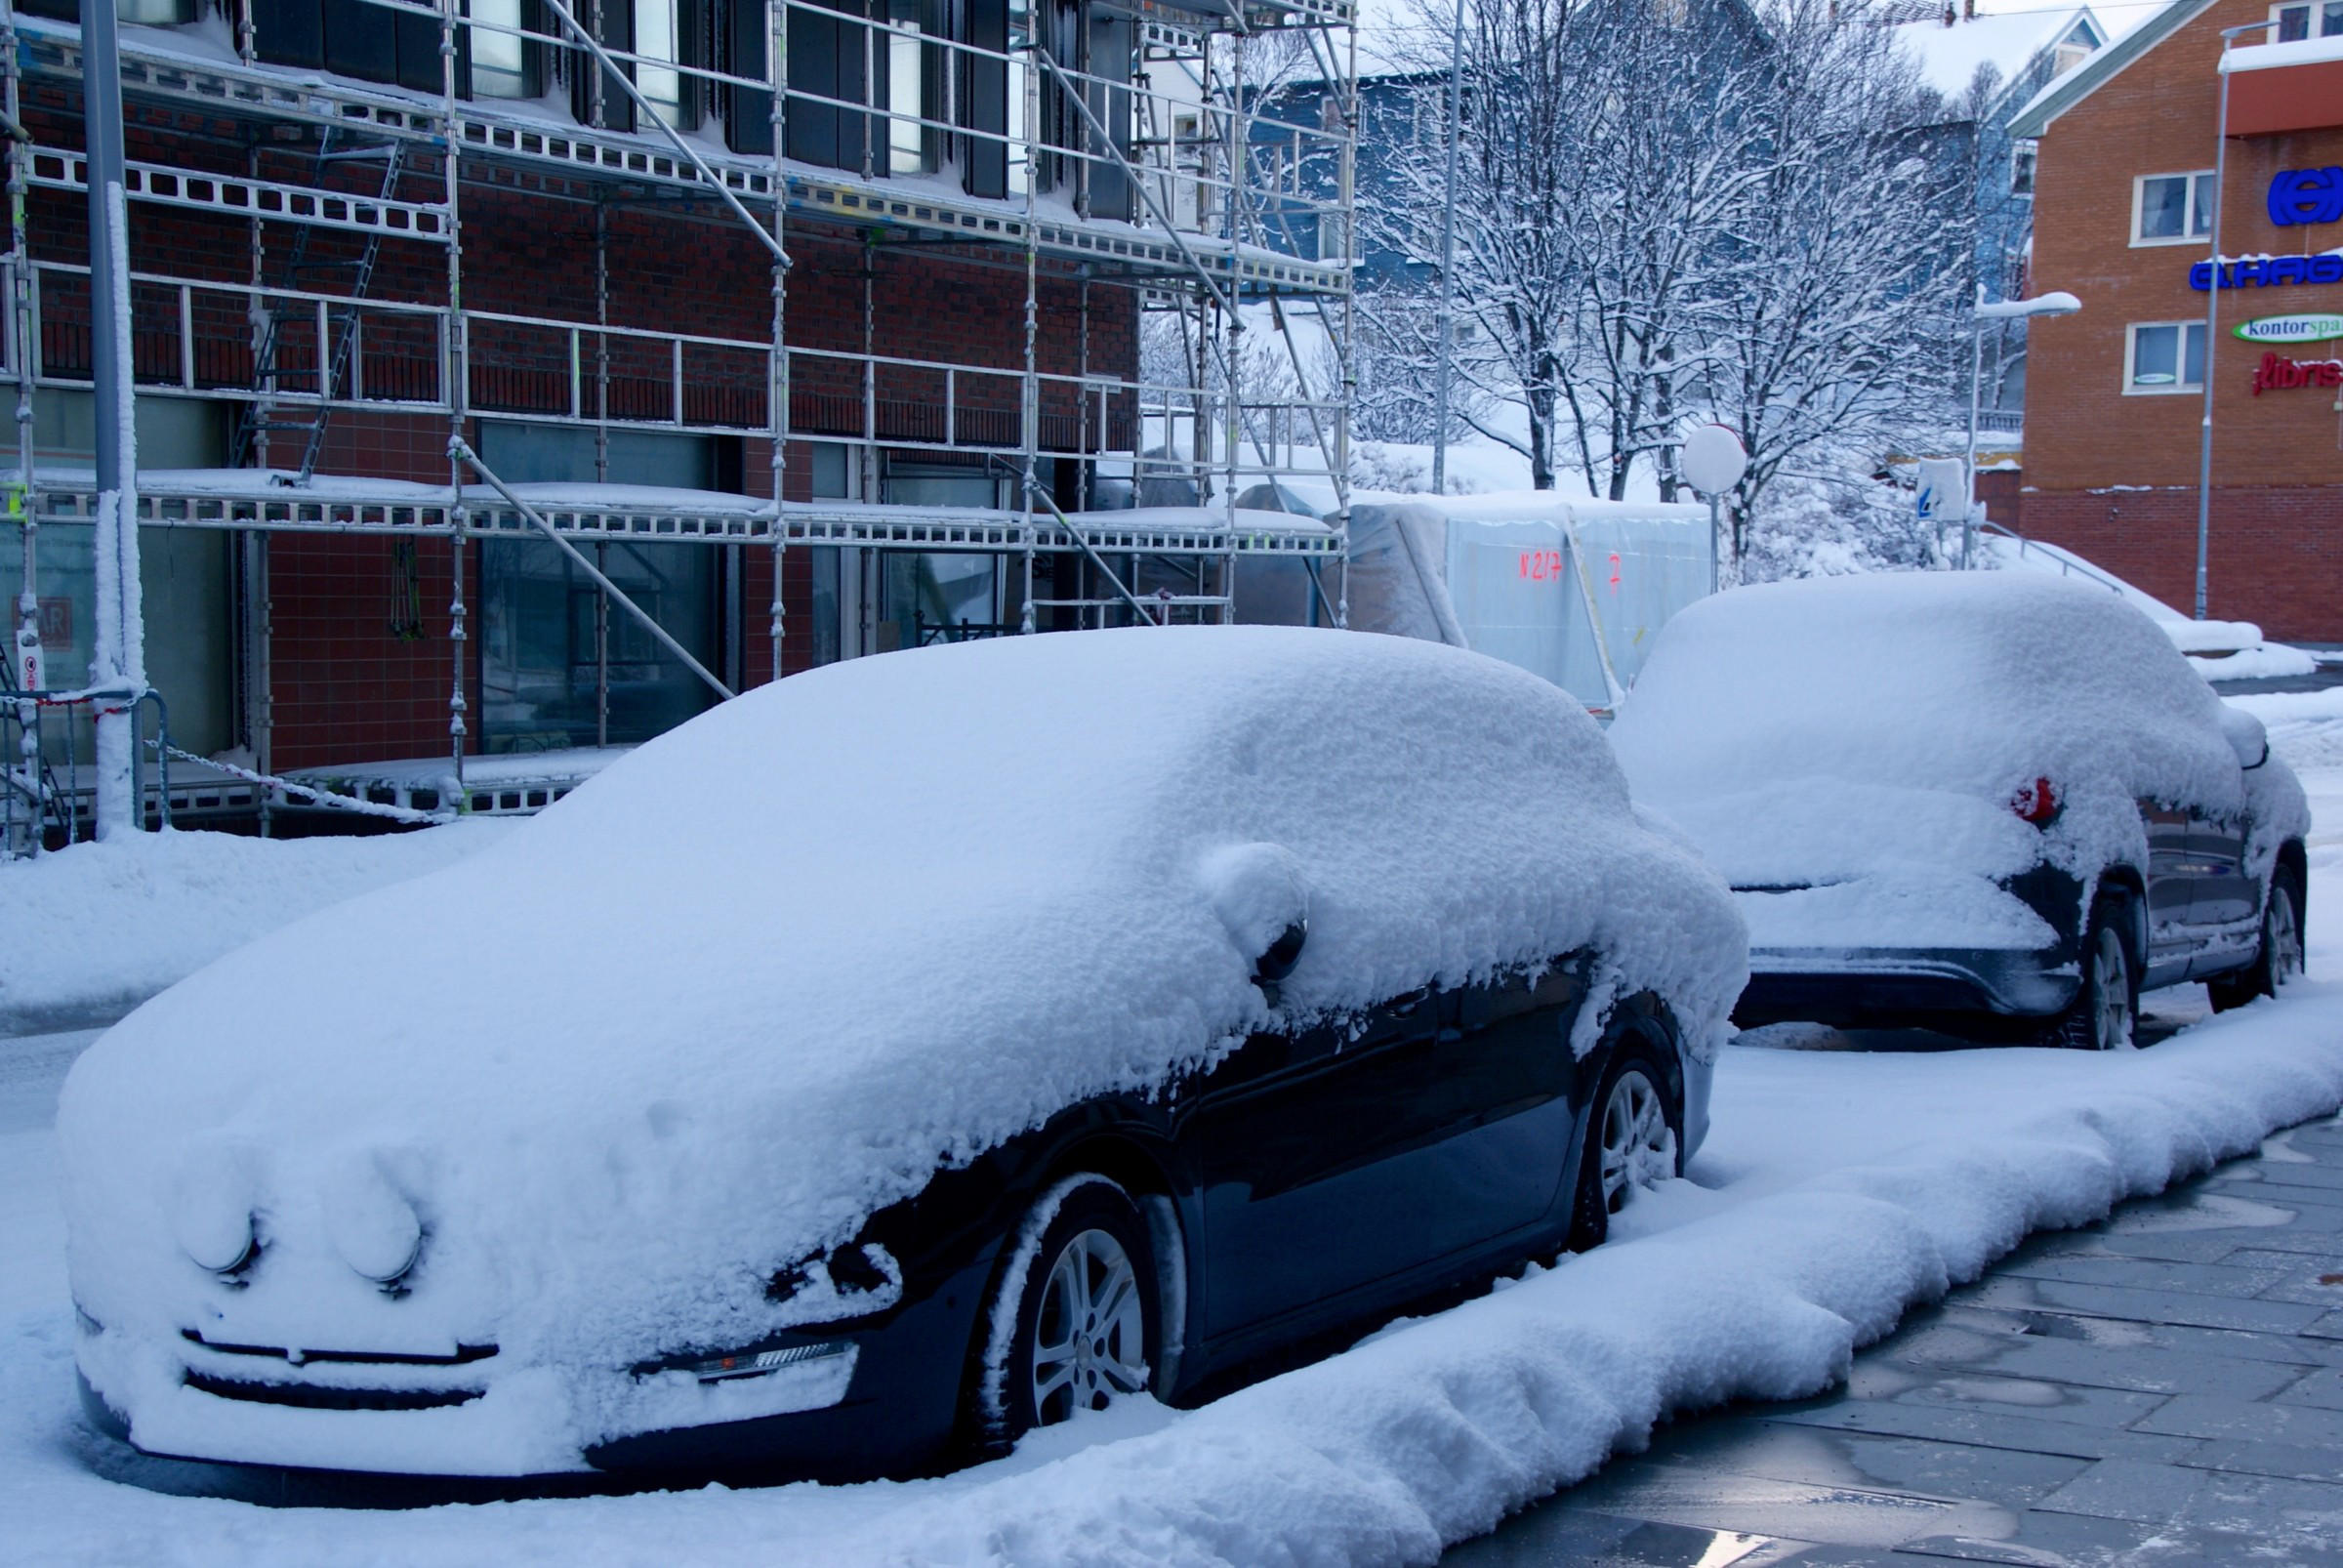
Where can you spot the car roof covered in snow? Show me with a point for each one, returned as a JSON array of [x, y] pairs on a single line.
[[765, 974], [1976, 681]]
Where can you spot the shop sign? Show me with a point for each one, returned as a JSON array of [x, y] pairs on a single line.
[[2270, 271], [2275, 374], [2306, 196], [2312, 328]]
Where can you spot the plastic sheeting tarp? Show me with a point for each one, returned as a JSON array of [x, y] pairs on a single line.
[[1569, 590]]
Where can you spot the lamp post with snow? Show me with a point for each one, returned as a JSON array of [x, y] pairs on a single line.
[[2212, 315], [1712, 461], [1981, 317]]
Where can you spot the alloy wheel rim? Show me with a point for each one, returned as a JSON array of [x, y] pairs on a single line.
[[2286, 940], [1089, 1337], [2112, 983], [1639, 1147]]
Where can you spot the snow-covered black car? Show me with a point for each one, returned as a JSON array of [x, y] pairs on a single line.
[[900, 1058], [1992, 803]]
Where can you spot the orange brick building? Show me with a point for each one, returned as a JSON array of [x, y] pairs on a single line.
[[2124, 219]]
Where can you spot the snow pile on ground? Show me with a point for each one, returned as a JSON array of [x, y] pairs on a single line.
[[1859, 726], [88, 932], [794, 957], [1839, 1190]]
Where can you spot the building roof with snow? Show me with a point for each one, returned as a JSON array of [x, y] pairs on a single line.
[[2064, 92], [1952, 51]]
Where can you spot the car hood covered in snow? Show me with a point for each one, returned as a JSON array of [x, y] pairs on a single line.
[[1881, 725], [766, 974]]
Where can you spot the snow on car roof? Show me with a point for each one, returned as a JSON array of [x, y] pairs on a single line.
[[763, 975], [1977, 681]]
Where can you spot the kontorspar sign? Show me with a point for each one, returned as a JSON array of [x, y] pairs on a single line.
[[2306, 327]]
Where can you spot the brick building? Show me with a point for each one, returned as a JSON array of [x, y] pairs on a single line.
[[1019, 243], [2125, 198]]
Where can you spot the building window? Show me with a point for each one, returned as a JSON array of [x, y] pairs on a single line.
[[2021, 168], [659, 36], [503, 63], [2171, 209], [2321, 19], [2166, 357]]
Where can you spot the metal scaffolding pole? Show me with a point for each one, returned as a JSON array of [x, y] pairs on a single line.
[[456, 368], [119, 654], [777, 369]]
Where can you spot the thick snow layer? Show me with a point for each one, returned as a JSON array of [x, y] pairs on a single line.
[[88, 931], [1853, 726], [1839, 1190], [791, 957]]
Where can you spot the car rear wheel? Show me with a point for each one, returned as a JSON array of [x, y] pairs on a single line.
[[2106, 1007], [1074, 1322], [1634, 1141], [2280, 958]]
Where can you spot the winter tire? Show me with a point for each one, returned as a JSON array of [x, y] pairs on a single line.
[[2280, 957], [1634, 1140], [1079, 1309], [2107, 1006]]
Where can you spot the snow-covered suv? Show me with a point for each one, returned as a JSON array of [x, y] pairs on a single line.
[[902, 1056], [1992, 803]]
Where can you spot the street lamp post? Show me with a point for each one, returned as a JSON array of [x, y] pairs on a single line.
[[1981, 317], [2213, 318]]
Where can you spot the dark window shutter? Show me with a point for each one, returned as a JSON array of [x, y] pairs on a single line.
[[1112, 39], [984, 100], [361, 40], [418, 52], [285, 32], [748, 112]]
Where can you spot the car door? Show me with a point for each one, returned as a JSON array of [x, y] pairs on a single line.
[[2172, 876], [2226, 894], [1348, 1155]]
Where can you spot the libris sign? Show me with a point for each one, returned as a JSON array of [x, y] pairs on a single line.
[[2308, 328], [2275, 374]]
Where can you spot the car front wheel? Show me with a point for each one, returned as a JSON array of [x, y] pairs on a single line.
[[2280, 957], [1634, 1141], [1074, 1321]]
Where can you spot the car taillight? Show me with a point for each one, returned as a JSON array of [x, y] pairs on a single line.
[[2036, 803]]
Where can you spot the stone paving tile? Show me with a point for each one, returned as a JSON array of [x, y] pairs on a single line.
[[2125, 1334], [1568, 1535], [2253, 1420], [1992, 1429], [2286, 1239], [2148, 1273], [2027, 1396], [2130, 1489], [2324, 1388], [2082, 1541], [2143, 1306], [1837, 1515], [1754, 1445], [2269, 1458], [2144, 1368]]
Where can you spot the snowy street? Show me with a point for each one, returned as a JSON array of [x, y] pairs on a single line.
[[1839, 1190]]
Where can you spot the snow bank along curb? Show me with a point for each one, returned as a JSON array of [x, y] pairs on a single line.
[[1837, 1190], [88, 932]]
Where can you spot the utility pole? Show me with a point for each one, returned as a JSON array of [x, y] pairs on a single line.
[[1448, 253], [118, 657]]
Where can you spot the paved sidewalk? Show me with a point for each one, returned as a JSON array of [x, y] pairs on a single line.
[[2165, 1387]]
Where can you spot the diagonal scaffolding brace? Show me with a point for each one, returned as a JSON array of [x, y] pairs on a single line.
[[461, 452]]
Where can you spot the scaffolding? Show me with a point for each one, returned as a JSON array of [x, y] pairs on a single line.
[[1147, 147]]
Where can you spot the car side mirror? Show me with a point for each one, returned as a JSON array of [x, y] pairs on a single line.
[[2245, 735], [1278, 960]]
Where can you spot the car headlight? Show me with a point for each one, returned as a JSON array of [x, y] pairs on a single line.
[[211, 1210], [375, 1229]]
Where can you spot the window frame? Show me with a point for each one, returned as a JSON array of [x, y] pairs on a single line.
[[2131, 351], [2139, 198], [2311, 10]]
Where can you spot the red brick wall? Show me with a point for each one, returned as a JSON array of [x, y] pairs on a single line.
[[2276, 536], [348, 686]]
